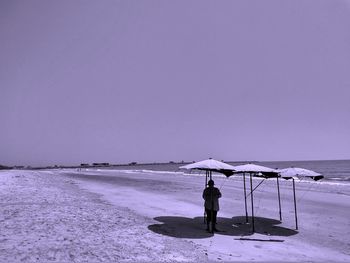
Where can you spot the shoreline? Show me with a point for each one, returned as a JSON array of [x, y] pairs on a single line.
[[324, 181]]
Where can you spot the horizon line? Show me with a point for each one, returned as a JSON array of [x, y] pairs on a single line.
[[106, 164]]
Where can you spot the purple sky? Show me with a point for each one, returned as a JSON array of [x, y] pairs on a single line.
[[122, 81]]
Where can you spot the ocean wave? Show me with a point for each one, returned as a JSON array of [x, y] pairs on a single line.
[[325, 180], [347, 178]]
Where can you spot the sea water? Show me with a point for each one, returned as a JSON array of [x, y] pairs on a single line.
[[332, 170]]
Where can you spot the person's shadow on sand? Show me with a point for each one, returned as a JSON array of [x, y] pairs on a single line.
[[184, 227]]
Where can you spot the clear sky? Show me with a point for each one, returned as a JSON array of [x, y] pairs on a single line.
[[121, 81]]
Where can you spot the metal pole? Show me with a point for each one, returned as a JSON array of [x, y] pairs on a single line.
[[252, 200], [212, 207], [206, 179], [205, 186], [279, 199], [245, 199], [295, 207]]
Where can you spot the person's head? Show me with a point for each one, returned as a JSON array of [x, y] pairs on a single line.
[[211, 183]]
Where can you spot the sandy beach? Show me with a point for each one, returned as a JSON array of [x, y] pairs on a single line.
[[138, 216]]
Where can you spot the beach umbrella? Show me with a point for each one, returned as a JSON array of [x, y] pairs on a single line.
[[291, 172], [210, 165], [299, 173], [258, 171]]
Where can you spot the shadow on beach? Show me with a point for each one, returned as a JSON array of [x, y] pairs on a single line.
[[184, 227]]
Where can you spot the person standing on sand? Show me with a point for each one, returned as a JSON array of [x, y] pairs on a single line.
[[211, 196]]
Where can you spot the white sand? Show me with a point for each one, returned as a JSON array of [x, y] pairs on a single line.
[[113, 216]]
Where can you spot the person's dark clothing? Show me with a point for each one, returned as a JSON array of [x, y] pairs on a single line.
[[208, 212], [211, 196]]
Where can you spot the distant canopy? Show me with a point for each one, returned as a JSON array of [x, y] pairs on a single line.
[[291, 172], [256, 170]]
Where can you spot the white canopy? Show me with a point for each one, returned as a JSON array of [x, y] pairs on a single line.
[[253, 168], [299, 172], [209, 164]]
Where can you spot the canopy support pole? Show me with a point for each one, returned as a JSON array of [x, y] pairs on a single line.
[[252, 200], [245, 199], [212, 208], [206, 179], [295, 207], [205, 186], [279, 199]]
